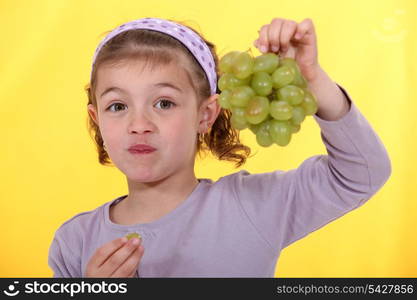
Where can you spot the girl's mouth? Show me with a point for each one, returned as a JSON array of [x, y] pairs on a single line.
[[132, 151]]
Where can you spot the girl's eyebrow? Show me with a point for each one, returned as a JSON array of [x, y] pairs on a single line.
[[168, 84], [160, 84], [110, 89]]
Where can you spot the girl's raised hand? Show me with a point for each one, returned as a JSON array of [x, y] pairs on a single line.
[[115, 259], [291, 39]]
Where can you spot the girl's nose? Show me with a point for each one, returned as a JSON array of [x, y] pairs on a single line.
[[140, 122]]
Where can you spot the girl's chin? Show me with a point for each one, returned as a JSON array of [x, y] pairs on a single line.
[[141, 176]]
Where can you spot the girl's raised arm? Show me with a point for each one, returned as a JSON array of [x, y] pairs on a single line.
[[285, 206]]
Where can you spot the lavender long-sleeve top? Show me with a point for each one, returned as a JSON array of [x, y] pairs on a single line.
[[237, 225]]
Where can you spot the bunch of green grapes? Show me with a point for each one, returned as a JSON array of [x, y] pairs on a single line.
[[266, 94]]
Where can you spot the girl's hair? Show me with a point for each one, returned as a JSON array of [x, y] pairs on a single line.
[[159, 49]]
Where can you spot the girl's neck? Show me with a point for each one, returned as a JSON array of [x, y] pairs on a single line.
[[151, 203]]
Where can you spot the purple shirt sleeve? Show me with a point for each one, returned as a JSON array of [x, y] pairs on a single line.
[[286, 206], [62, 259]]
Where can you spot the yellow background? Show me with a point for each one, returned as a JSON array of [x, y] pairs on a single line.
[[49, 169]]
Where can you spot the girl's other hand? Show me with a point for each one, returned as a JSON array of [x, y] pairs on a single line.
[[117, 258], [294, 40]]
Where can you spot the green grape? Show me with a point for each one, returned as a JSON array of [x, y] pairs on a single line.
[[242, 65], [291, 94], [295, 128], [278, 97], [288, 61], [257, 110], [225, 63], [239, 113], [133, 235], [223, 82], [299, 80], [280, 132], [241, 95], [238, 123], [267, 62], [262, 83], [309, 103], [224, 99], [282, 76], [255, 127], [280, 110], [298, 115], [229, 81], [237, 119], [263, 137], [245, 81]]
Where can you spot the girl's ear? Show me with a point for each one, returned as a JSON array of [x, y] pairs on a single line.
[[93, 113], [210, 109]]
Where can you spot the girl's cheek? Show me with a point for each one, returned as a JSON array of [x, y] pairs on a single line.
[[109, 132]]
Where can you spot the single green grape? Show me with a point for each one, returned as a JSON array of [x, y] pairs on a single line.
[[257, 110], [223, 82], [238, 123], [263, 137], [267, 62], [283, 76], [239, 112], [262, 83], [280, 110], [241, 95], [225, 63], [229, 81], [254, 127], [242, 65], [238, 119], [278, 97], [133, 235], [224, 99], [288, 61], [291, 94], [280, 132], [309, 103], [295, 128], [299, 80], [298, 115]]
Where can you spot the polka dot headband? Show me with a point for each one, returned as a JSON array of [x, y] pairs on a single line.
[[186, 36]]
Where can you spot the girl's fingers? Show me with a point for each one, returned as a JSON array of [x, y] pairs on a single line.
[[102, 253], [274, 32], [263, 39], [119, 257], [129, 266], [288, 29], [283, 35], [132, 275], [305, 28], [291, 52]]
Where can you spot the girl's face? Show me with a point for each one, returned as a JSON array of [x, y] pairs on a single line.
[[137, 105]]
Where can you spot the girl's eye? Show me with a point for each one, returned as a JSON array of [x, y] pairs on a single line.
[[166, 102], [114, 105]]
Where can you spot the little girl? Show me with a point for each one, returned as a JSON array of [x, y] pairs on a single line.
[[194, 227]]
